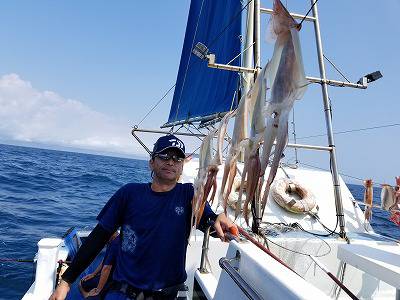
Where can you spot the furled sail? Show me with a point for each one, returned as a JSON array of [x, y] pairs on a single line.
[[201, 91]]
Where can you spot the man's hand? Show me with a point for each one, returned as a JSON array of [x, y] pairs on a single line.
[[94, 292], [61, 291], [87, 277], [224, 225]]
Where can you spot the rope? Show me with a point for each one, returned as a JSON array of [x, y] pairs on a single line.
[[333, 65], [240, 53], [307, 13], [162, 98], [264, 235], [188, 63], [342, 174], [260, 246], [210, 44], [351, 130], [229, 24], [263, 248]]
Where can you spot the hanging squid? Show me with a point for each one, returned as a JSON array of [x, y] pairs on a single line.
[[205, 158], [213, 167], [368, 197], [252, 166], [394, 209], [236, 145], [285, 75]]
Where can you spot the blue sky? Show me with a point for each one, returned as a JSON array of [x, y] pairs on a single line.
[[80, 73]]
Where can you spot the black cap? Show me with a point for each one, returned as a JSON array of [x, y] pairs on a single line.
[[168, 142]]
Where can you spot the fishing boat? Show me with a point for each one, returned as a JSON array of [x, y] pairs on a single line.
[[311, 239]]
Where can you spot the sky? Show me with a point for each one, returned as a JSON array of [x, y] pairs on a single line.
[[79, 74]]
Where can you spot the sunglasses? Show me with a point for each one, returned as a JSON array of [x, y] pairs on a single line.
[[167, 157]]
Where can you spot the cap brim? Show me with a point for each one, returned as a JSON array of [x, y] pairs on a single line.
[[182, 154]]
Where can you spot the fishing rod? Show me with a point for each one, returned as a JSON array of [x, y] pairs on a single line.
[[263, 248], [21, 260], [17, 260]]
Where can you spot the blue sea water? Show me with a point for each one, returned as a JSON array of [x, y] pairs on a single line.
[[45, 192]]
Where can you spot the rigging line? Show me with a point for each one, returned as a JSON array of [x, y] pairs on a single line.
[[175, 131], [212, 42], [162, 98], [342, 174], [307, 13], [294, 136], [292, 250], [337, 69], [188, 63], [242, 52], [229, 24], [198, 131], [352, 130]]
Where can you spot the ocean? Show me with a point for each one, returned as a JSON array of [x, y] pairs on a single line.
[[45, 192]]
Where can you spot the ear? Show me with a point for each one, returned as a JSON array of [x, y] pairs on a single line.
[[151, 164]]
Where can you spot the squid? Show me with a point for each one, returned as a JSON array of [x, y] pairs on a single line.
[[213, 167], [236, 145], [205, 159], [387, 196], [368, 197], [252, 165], [285, 75], [206, 180], [397, 193], [394, 213]]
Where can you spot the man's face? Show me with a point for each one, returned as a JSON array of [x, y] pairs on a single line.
[[167, 170]]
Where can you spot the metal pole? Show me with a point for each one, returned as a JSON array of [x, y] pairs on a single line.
[[248, 55], [328, 120], [204, 251], [257, 60], [225, 264], [257, 35], [248, 60]]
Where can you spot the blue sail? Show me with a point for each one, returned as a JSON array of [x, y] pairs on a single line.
[[201, 91]]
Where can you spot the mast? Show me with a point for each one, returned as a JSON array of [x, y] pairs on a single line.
[[257, 66], [257, 45], [328, 121], [248, 61], [248, 54]]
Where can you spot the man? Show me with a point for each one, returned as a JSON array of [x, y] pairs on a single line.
[[155, 223], [97, 283]]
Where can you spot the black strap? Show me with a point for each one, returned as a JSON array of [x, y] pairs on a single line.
[[133, 292]]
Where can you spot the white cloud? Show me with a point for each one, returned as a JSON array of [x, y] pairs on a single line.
[[29, 115]]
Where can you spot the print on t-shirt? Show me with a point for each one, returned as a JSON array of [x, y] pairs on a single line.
[[129, 239]]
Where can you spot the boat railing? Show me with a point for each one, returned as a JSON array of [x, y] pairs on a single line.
[[227, 264]]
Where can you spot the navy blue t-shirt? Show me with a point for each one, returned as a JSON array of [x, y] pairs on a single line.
[[155, 227]]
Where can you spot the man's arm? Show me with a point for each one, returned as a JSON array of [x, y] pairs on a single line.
[[85, 255], [105, 273], [94, 273]]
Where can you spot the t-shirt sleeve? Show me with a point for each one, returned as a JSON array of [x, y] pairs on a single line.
[[208, 215], [111, 216]]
